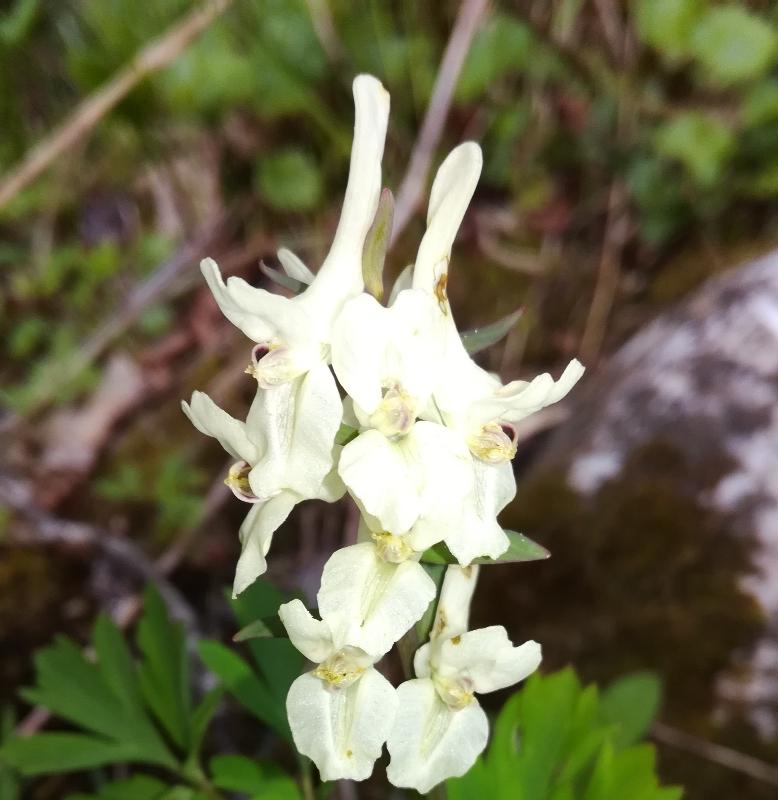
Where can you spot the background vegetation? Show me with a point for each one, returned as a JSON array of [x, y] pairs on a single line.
[[631, 151]]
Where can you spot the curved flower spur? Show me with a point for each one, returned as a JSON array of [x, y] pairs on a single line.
[[287, 445], [426, 457]]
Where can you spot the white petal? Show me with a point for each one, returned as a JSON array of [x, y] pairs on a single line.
[[294, 266], [517, 400], [487, 660], [256, 535], [310, 636], [451, 193], [377, 473], [258, 313], [294, 425], [479, 533], [369, 603], [374, 347], [360, 337], [403, 281], [446, 481], [211, 420], [431, 742], [341, 273], [342, 731], [456, 595]]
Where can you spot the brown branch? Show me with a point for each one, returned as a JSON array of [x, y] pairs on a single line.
[[152, 58], [716, 753], [43, 528], [471, 12], [608, 273]]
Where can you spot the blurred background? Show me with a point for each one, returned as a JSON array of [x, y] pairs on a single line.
[[628, 207]]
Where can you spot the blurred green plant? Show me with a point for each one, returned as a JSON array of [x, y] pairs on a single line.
[[556, 740], [172, 486], [142, 712]]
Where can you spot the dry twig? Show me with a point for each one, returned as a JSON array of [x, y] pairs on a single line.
[[716, 753], [74, 129], [411, 188]]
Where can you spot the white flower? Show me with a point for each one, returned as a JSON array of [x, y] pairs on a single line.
[[372, 593], [401, 471], [281, 461], [286, 448], [293, 334], [440, 729], [341, 712], [466, 398]]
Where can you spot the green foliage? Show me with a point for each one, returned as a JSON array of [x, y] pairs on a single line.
[[732, 44], [631, 703], [479, 339], [16, 24], [172, 486], [259, 685], [502, 46], [556, 740], [702, 143], [164, 674], [112, 700], [260, 781], [289, 180], [668, 25], [520, 548], [10, 788]]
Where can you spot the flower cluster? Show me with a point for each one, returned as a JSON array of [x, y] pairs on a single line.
[[426, 457]]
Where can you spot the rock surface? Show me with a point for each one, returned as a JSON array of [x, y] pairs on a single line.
[[703, 376]]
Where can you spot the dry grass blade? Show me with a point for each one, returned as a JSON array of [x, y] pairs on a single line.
[[150, 59]]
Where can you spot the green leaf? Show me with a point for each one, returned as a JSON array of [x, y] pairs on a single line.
[[345, 434], [702, 143], [115, 663], [520, 548], [631, 703], [732, 44], [237, 774], [138, 787], [267, 628], [16, 24], [245, 686], [289, 180], [479, 339], [164, 674], [376, 245], [502, 45], [263, 781], [667, 25], [277, 661], [63, 752], [201, 718], [760, 105], [9, 784]]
